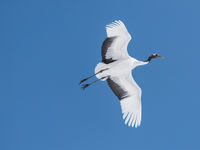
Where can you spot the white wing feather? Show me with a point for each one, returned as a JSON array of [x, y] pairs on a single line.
[[118, 49], [131, 105]]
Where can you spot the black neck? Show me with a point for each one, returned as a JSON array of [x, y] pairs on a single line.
[[149, 58]]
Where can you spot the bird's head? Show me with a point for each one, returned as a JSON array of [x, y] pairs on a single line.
[[156, 56], [153, 56]]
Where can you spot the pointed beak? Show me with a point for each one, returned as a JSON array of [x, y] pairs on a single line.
[[160, 56]]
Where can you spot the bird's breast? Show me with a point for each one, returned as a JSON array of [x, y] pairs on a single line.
[[120, 67]]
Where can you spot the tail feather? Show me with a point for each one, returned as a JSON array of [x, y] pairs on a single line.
[[100, 66]]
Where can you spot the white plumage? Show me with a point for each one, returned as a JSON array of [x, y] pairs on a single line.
[[118, 50], [116, 68], [120, 72]]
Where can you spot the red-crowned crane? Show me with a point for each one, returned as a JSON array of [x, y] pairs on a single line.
[[116, 68]]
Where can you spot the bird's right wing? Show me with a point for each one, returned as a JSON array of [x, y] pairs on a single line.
[[115, 45], [129, 94]]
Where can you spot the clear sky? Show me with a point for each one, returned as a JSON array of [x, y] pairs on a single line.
[[47, 47]]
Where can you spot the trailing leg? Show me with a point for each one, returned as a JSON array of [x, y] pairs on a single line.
[[92, 75], [86, 85]]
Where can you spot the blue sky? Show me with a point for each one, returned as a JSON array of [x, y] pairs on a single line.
[[47, 47]]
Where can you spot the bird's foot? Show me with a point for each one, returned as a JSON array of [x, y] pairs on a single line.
[[85, 86], [83, 80]]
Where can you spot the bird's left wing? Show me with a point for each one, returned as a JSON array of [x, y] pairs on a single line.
[[115, 45], [129, 94]]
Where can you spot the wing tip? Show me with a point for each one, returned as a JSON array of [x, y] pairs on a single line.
[[131, 119], [117, 28], [114, 24]]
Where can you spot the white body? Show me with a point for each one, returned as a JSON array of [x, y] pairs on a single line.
[[117, 68], [120, 72]]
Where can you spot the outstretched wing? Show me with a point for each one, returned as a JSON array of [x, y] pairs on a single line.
[[129, 94], [115, 45]]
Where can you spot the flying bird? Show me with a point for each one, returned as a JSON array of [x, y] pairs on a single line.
[[116, 68]]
